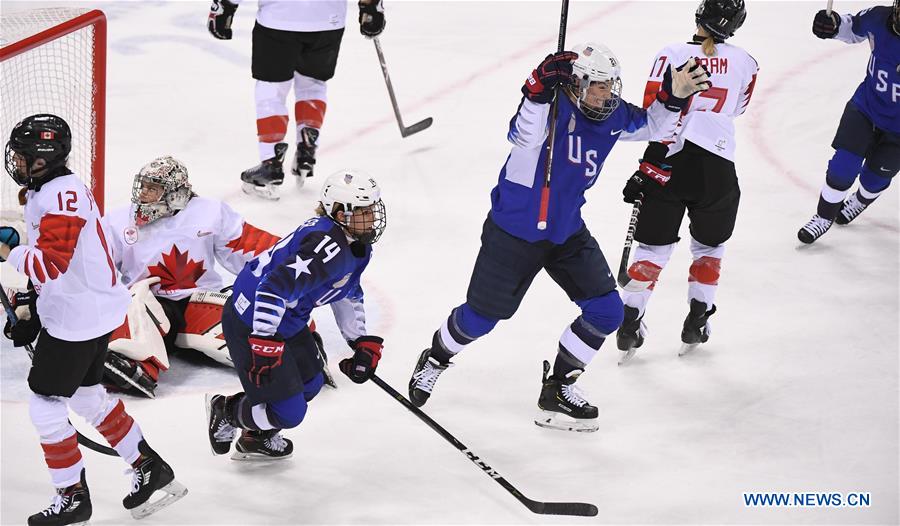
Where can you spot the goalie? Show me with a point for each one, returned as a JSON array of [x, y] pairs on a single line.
[[166, 244]]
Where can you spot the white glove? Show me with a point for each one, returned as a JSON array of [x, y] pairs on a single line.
[[689, 79]]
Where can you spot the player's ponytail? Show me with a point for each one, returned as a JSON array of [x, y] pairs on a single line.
[[709, 46]]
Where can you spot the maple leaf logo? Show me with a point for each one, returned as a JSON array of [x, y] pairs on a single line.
[[177, 271]]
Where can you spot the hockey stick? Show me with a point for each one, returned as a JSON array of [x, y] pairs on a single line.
[[580, 509], [828, 7], [405, 131], [623, 278], [554, 112], [83, 440]]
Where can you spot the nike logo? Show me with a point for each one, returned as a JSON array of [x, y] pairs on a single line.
[[201, 233], [883, 169], [615, 132]]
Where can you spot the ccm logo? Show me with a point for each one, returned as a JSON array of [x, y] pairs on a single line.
[[266, 349]]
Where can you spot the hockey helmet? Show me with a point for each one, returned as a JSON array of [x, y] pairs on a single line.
[[596, 63], [351, 191], [721, 18], [42, 136], [160, 189]]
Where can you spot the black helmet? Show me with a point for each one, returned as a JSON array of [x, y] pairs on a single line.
[[41, 136], [721, 18]]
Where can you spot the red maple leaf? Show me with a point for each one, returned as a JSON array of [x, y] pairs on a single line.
[[177, 271]]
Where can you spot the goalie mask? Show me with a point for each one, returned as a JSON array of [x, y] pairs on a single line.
[[160, 189], [41, 136], [597, 85], [358, 196]]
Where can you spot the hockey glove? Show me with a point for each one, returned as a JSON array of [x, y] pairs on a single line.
[[679, 85], [9, 236], [28, 325], [371, 18], [265, 354], [554, 71], [365, 358], [221, 12], [651, 176], [825, 25]]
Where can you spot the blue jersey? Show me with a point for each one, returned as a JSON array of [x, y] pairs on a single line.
[[580, 148], [313, 266], [878, 96]]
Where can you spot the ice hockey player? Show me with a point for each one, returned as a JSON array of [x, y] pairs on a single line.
[[295, 42], [691, 171], [79, 300], [867, 142], [592, 117], [265, 320]]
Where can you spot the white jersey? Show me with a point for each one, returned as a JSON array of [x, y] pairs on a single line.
[[182, 250], [301, 15], [708, 119], [68, 261]]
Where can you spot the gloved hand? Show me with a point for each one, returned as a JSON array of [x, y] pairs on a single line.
[[825, 25], [651, 176], [371, 18], [28, 326], [9, 236], [221, 13], [555, 70], [678, 86], [365, 358], [265, 353]]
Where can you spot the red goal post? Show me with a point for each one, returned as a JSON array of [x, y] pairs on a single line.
[[54, 61]]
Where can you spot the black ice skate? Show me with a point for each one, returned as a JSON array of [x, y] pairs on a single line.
[[696, 327], [262, 445], [70, 505], [265, 178], [323, 356], [150, 473], [562, 405], [630, 335], [851, 208], [221, 431], [126, 375], [305, 159], [814, 229], [428, 370]]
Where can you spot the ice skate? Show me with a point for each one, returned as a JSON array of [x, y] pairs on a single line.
[[814, 229], [127, 375], [851, 208], [630, 335], [696, 327], [305, 158], [265, 178], [329, 379], [428, 370], [71, 505], [221, 432], [562, 405], [262, 446], [149, 474]]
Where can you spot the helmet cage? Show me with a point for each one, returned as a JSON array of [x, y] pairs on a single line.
[[42, 136], [350, 191], [609, 105]]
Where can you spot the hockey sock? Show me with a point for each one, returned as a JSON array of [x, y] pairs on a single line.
[[580, 341], [309, 113], [871, 185], [271, 115], [703, 275], [122, 432], [49, 415], [461, 328]]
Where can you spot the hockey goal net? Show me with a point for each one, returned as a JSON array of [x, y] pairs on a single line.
[[54, 61]]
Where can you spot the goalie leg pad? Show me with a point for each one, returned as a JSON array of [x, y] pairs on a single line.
[[203, 326]]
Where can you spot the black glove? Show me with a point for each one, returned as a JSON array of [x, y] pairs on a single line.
[[556, 69], [265, 354], [651, 176], [367, 352], [26, 329], [371, 18], [220, 14], [825, 25]]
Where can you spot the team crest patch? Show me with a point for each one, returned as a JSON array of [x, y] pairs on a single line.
[[587, 51], [131, 234], [348, 178]]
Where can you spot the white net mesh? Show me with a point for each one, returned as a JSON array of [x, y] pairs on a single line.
[[56, 76]]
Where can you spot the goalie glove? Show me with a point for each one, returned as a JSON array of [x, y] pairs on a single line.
[[221, 12]]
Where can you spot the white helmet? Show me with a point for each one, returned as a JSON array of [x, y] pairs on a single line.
[[596, 63], [168, 173], [347, 190]]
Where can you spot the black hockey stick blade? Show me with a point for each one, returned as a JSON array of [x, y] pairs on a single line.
[[576, 509], [417, 127]]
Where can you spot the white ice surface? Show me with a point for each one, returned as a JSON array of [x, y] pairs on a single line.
[[797, 391]]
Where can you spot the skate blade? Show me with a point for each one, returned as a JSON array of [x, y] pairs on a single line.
[[687, 347], [174, 491], [624, 356], [132, 383], [269, 191], [251, 456], [329, 379], [553, 420]]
